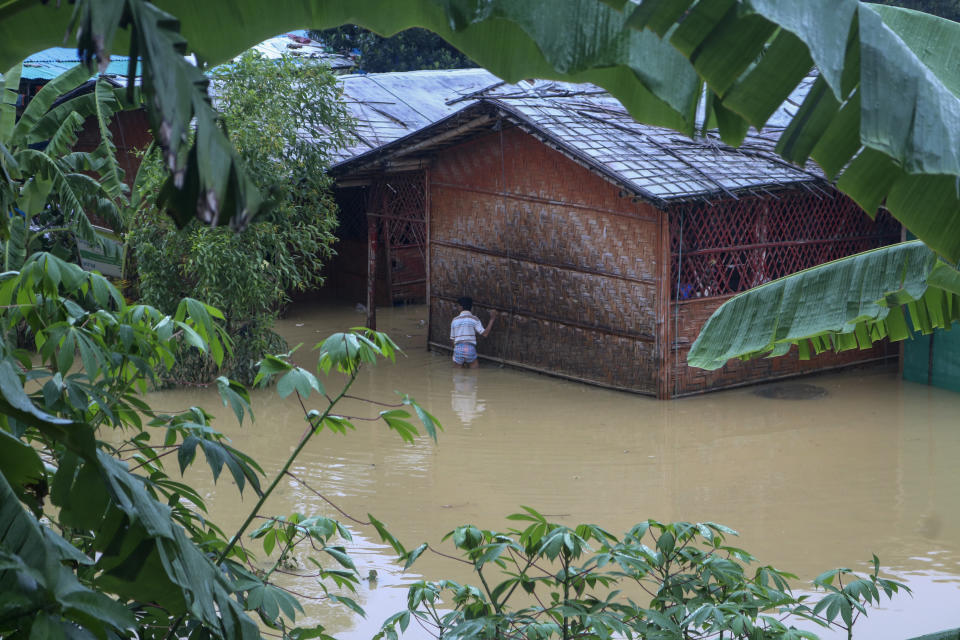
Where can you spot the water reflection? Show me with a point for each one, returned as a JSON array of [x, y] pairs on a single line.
[[868, 467], [463, 397]]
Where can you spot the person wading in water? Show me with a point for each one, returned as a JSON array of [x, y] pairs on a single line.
[[463, 332]]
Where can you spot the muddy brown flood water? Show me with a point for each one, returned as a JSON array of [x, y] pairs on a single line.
[[870, 467]]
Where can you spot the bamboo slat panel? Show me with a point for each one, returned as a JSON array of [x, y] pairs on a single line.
[[571, 266], [687, 380], [546, 233], [735, 245], [611, 304], [588, 356], [530, 168]]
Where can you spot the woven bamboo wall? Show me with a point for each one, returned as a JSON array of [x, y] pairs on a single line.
[[684, 380], [131, 135], [732, 245], [569, 264]]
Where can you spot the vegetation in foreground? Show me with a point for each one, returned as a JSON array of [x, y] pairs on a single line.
[[98, 538], [659, 581]]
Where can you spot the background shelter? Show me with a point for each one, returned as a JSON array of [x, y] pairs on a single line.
[[130, 128], [603, 243]]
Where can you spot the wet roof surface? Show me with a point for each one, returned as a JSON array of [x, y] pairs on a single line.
[[49, 63], [298, 45], [388, 106], [581, 120], [658, 162]]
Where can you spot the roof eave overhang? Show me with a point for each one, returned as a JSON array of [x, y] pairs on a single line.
[[417, 145], [414, 151]]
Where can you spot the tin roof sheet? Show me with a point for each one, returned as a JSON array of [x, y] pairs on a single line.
[[298, 45], [48, 64], [581, 120], [388, 106]]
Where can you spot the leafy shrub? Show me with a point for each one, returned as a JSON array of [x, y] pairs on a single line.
[[96, 538], [284, 118], [660, 581]]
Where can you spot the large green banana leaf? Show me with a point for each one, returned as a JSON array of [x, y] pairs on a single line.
[[207, 180], [884, 114], [33, 179], [883, 117], [844, 304]]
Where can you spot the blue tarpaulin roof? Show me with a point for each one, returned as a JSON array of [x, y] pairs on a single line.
[[50, 63]]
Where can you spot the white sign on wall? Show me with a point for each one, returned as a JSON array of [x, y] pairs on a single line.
[[108, 259]]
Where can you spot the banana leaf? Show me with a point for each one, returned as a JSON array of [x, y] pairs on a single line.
[[65, 82], [517, 40], [8, 104], [884, 114], [848, 303]]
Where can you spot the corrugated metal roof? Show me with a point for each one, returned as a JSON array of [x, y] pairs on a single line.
[[387, 106], [658, 163], [299, 45], [48, 64], [588, 124]]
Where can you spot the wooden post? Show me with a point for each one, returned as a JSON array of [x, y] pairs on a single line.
[[386, 252], [426, 250], [371, 271], [665, 346]]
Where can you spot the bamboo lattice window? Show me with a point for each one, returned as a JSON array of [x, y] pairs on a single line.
[[730, 246], [404, 205]]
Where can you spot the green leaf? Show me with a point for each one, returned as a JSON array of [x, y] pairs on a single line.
[[51, 91], [61, 142], [8, 104], [36, 562], [270, 366], [16, 403], [430, 424], [158, 562], [657, 15], [807, 128], [22, 467], [396, 420], [830, 301], [108, 168], [490, 553], [413, 555], [236, 396], [386, 536], [187, 452], [337, 424], [269, 541], [340, 351], [349, 603], [341, 556], [721, 41], [914, 55], [299, 380], [190, 336], [823, 27]]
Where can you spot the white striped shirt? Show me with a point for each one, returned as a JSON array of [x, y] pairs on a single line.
[[465, 328]]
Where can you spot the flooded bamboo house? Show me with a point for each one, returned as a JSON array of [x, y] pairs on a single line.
[[602, 243]]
